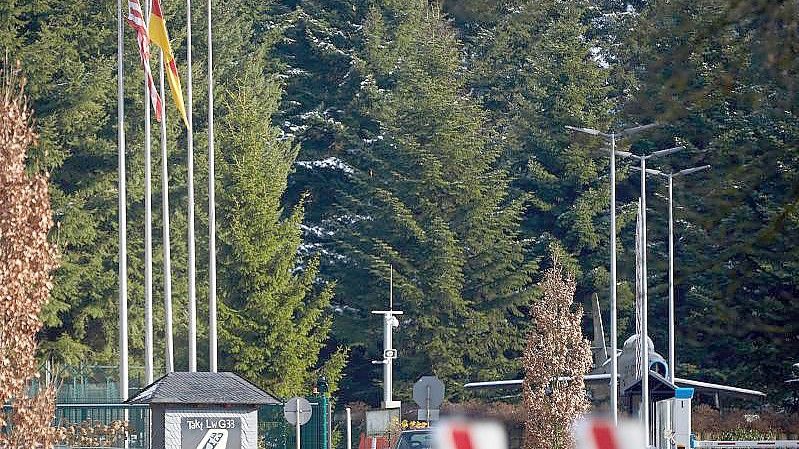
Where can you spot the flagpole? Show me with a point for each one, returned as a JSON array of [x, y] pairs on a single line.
[[211, 206], [148, 231], [123, 261], [167, 241], [190, 135]]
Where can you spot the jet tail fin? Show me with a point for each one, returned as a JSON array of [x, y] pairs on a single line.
[[599, 348]]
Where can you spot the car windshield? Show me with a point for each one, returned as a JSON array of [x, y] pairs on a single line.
[[415, 440]]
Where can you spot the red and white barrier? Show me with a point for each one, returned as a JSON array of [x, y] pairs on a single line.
[[776, 444], [463, 434], [600, 433]]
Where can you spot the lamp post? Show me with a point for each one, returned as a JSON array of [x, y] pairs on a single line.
[[670, 177], [644, 337], [614, 380]]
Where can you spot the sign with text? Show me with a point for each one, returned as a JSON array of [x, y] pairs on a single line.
[[208, 432]]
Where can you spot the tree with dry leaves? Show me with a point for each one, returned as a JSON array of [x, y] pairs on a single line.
[[555, 349], [27, 260]]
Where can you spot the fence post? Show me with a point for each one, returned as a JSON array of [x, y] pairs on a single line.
[[323, 423], [325, 419]]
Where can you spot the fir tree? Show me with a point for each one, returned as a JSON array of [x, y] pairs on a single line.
[[535, 74], [274, 318], [70, 49], [718, 74], [67, 49], [427, 198]]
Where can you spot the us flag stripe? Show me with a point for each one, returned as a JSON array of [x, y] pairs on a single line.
[[136, 21]]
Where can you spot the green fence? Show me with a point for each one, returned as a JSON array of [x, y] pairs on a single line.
[[97, 425], [88, 399], [277, 433], [97, 422]]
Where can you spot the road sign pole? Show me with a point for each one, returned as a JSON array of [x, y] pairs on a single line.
[[427, 405], [298, 426], [349, 428], [297, 411]]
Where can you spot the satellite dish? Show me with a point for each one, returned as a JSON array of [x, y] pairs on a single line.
[[291, 407]]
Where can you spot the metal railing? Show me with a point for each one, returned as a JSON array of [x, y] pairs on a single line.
[[99, 425]]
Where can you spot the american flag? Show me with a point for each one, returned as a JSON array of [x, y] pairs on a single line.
[[137, 22]]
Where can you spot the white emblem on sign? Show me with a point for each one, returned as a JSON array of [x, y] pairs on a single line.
[[214, 439]]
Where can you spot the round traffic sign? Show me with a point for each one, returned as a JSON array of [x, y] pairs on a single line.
[[291, 407]]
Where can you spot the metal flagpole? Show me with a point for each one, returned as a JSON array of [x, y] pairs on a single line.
[[148, 232], [190, 160], [123, 257], [211, 207], [168, 344], [614, 367], [643, 338]]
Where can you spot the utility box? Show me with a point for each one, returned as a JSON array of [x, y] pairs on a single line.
[[681, 414], [203, 410]]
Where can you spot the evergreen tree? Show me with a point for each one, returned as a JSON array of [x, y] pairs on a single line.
[[717, 72], [535, 73], [274, 318], [67, 49], [427, 198], [70, 51]]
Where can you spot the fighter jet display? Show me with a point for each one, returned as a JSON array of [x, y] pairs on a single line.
[[793, 384], [629, 372], [795, 372]]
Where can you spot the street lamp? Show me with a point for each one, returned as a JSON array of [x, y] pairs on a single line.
[[642, 339], [670, 177], [614, 369]]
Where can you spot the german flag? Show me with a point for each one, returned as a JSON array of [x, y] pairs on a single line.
[[160, 37]]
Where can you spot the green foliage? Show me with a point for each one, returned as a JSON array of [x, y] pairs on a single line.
[[71, 52], [432, 140], [715, 72], [65, 48], [274, 319], [536, 72], [427, 198]]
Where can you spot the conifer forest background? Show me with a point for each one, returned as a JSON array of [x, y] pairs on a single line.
[[358, 135]]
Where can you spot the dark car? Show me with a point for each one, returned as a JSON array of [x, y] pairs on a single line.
[[415, 439]]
